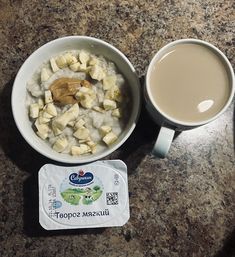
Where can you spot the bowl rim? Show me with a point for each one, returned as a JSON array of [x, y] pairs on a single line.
[[104, 153]]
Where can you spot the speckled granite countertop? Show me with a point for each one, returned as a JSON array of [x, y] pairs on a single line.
[[180, 206]]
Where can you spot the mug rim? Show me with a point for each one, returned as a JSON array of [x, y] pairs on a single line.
[[220, 54]]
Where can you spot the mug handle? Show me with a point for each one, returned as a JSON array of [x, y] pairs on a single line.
[[163, 142]]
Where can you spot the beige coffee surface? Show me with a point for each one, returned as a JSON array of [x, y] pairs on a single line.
[[190, 83]]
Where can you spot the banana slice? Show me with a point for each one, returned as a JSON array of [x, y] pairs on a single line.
[[62, 121], [114, 93], [43, 120], [109, 104], [83, 67], [104, 130], [93, 61], [84, 57], [56, 131], [109, 82], [42, 136], [48, 97], [79, 150], [81, 141], [61, 62], [71, 123], [34, 110], [42, 129], [92, 145], [60, 144], [40, 104], [96, 72], [80, 123], [98, 109], [51, 109], [74, 111], [46, 115], [70, 59], [81, 133], [86, 96], [86, 100], [75, 66], [116, 113], [54, 66], [86, 90], [110, 138]]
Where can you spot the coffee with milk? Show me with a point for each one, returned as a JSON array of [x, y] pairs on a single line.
[[189, 83]]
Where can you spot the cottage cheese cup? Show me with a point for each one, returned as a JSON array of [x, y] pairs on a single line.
[[87, 196]]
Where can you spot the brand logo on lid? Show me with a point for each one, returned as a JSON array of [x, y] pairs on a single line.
[[81, 178]]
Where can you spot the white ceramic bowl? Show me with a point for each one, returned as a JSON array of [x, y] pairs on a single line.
[[53, 48]]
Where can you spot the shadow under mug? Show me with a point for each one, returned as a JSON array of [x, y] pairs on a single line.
[[168, 124]]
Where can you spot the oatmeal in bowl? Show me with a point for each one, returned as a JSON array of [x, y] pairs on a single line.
[[78, 103], [81, 101]]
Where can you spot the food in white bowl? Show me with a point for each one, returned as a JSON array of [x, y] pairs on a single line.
[[42, 58], [78, 102]]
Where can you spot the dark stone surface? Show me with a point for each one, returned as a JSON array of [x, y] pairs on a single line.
[[180, 206]]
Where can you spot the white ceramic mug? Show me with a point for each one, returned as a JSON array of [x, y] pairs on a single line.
[[168, 124]]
